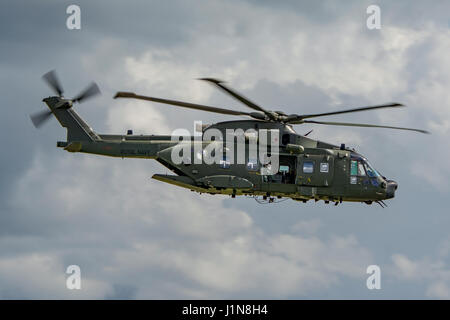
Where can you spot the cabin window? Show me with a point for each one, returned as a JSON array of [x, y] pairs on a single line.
[[324, 167], [199, 157], [285, 139], [252, 165], [225, 163], [186, 158], [308, 167]]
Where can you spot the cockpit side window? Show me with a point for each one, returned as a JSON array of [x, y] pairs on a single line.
[[362, 172], [371, 172], [357, 168]]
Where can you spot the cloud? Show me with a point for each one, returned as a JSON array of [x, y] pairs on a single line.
[[42, 276], [438, 290], [433, 273]]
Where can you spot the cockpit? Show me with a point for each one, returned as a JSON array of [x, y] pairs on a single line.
[[361, 167], [362, 172]]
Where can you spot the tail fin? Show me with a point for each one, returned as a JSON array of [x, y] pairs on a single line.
[[77, 129]]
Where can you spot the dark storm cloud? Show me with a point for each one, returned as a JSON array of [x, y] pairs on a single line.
[[42, 26], [35, 39]]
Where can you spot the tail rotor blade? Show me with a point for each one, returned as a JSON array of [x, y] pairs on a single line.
[[40, 118], [52, 80], [91, 91]]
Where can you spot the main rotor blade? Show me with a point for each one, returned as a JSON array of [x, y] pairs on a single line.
[[182, 104], [91, 91], [234, 94], [382, 106], [40, 118], [52, 80], [362, 125]]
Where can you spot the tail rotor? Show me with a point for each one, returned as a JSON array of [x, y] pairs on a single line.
[[39, 118]]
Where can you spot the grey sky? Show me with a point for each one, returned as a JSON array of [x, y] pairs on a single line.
[[138, 238]]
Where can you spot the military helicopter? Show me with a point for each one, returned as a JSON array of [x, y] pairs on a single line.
[[308, 169]]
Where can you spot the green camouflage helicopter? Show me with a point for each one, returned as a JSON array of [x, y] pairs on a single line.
[[307, 169]]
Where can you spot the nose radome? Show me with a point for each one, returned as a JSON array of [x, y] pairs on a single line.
[[390, 188]]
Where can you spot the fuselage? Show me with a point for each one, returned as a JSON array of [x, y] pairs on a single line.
[[307, 168]]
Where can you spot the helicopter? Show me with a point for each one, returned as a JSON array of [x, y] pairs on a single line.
[[307, 169]]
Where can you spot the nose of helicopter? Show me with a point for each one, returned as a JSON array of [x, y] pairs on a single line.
[[390, 188]]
